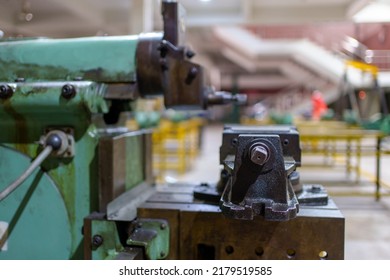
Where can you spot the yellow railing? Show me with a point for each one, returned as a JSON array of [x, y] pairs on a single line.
[[175, 146]]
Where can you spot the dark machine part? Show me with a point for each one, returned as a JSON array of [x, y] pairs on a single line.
[[288, 135], [259, 175], [200, 231], [174, 26], [138, 239], [164, 67], [180, 80], [259, 184]]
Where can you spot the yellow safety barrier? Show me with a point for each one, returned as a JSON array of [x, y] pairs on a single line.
[[338, 142], [175, 146]]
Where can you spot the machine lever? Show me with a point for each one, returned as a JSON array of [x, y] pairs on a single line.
[[36, 163], [53, 142]]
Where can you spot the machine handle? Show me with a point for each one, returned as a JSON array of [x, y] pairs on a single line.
[[36, 163]]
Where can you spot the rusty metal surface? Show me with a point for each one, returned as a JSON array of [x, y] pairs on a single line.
[[173, 14], [149, 79], [124, 162], [200, 231]]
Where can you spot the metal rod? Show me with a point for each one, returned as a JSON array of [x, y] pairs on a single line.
[[36, 163]]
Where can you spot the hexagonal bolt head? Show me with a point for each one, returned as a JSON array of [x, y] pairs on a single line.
[[259, 155]]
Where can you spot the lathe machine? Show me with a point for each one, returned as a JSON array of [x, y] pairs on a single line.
[[75, 184]]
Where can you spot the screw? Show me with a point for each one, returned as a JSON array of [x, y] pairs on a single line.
[[162, 254], [20, 80], [6, 91], [192, 73], [97, 240], [163, 226], [68, 91], [259, 154], [315, 188], [190, 54], [164, 64], [163, 49]]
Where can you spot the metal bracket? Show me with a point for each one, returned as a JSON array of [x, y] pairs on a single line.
[[153, 236]]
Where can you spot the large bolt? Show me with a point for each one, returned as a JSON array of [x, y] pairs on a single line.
[[20, 80], [68, 91], [259, 154], [190, 54], [6, 91], [97, 240], [191, 75]]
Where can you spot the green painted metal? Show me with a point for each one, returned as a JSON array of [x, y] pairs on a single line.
[[23, 119], [35, 205], [150, 234], [36, 105], [88, 58], [153, 235], [111, 245]]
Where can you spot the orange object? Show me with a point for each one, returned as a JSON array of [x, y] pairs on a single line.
[[319, 105]]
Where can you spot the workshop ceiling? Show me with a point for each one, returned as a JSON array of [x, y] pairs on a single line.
[[58, 18], [204, 21]]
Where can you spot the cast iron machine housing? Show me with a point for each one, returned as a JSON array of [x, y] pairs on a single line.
[[259, 171], [260, 177]]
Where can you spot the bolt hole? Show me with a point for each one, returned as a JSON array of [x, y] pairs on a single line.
[[323, 255], [259, 251], [234, 142], [286, 142], [229, 250], [291, 253]]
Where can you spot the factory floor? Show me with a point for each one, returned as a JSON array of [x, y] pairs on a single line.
[[367, 234]]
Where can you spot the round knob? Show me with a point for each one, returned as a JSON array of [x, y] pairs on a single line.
[[55, 141]]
